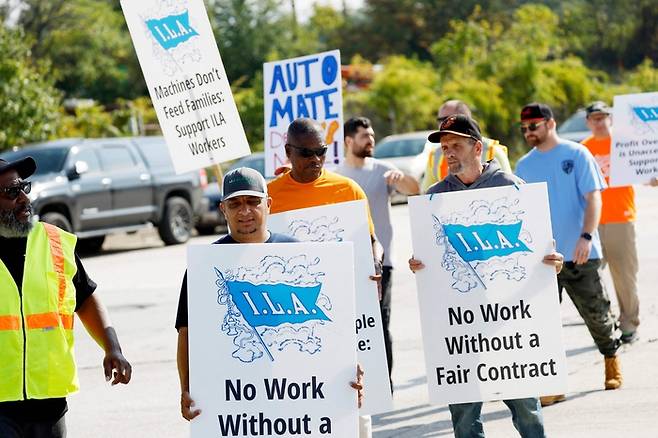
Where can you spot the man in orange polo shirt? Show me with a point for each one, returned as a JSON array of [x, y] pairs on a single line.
[[617, 225], [308, 184]]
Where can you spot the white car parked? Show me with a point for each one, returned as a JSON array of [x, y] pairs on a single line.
[[408, 152]]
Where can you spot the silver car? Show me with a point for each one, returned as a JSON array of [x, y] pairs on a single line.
[[408, 152]]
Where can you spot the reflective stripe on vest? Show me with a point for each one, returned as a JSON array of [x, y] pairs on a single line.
[[36, 328]]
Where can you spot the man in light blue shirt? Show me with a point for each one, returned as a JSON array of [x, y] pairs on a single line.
[[574, 192]]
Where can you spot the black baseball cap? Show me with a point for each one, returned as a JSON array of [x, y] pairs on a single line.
[[458, 124], [535, 110], [243, 181], [598, 107], [25, 166]]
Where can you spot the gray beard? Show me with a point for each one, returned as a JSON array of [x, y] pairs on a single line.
[[11, 227]]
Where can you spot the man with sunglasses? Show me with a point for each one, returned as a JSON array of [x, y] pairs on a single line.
[[308, 184], [574, 191], [437, 166], [42, 283]]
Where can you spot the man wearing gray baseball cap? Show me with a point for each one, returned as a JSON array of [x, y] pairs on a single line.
[[246, 206]]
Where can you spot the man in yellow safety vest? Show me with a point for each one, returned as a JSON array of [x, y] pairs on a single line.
[[42, 283], [437, 167]]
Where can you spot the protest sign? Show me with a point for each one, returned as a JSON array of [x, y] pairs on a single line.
[[490, 315], [187, 82], [271, 341], [348, 222], [634, 147], [308, 86]]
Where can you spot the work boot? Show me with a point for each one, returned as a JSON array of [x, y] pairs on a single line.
[[547, 400], [613, 377], [629, 337]]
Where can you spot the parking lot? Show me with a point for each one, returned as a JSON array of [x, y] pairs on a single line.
[[139, 279]]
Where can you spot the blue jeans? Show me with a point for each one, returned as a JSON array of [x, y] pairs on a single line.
[[526, 417]]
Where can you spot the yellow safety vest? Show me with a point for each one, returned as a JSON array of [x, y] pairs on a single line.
[[36, 327]]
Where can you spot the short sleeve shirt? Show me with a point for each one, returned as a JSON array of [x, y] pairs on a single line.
[[371, 179], [570, 172], [330, 188], [618, 202], [181, 314]]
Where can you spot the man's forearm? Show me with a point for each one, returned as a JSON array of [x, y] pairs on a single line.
[[592, 212], [408, 186], [377, 250], [94, 317], [182, 360]]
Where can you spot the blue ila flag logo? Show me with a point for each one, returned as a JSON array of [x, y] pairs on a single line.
[[646, 113], [477, 254], [275, 304], [481, 242], [272, 306], [172, 30]]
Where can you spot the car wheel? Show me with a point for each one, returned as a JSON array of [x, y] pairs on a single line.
[[57, 219], [177, 219], [90, 245]]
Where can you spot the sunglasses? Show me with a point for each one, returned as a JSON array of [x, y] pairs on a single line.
[[308, 153], [13, 191], [532, 127]]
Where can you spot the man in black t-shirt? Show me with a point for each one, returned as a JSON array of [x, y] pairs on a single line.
[[26, 416], [246, 205]]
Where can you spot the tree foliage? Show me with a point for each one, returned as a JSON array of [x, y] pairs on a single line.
[[88, 45], [28, 100], [496, 55]]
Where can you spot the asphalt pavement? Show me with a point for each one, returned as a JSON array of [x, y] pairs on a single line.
[[139, 281]]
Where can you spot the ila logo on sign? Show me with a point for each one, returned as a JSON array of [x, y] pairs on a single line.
[[172, 30], [481, 242], [646, 113]]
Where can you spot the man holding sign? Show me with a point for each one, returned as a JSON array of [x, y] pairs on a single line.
[[308, 184], [617, 225], [245, 204], [461, 144]]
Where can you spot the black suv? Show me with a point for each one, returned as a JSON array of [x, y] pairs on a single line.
[[94, 187]]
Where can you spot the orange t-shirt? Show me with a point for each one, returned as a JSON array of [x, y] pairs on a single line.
[[618, 202], [330, 188]]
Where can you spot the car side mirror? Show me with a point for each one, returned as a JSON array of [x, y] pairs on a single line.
[[78, 169]]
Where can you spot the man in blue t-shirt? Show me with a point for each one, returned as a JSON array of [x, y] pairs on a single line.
[[246, 205], [574, 192]]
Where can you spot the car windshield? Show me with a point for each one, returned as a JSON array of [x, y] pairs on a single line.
[[575, 123], [257, 163], [48, 159], [405, 147]]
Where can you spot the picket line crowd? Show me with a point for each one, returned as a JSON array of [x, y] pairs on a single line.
[[44, 282]]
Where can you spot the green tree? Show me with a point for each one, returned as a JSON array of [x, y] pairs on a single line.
[[247, 32], [403, 93], [89, 46], [28, 100]]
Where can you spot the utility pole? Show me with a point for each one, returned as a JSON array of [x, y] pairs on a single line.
[[294, 20]]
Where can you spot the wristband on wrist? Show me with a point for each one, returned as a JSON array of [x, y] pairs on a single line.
[[586, 236]]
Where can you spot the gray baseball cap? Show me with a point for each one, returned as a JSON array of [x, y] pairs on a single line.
[[598, 107], [243, 181]]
